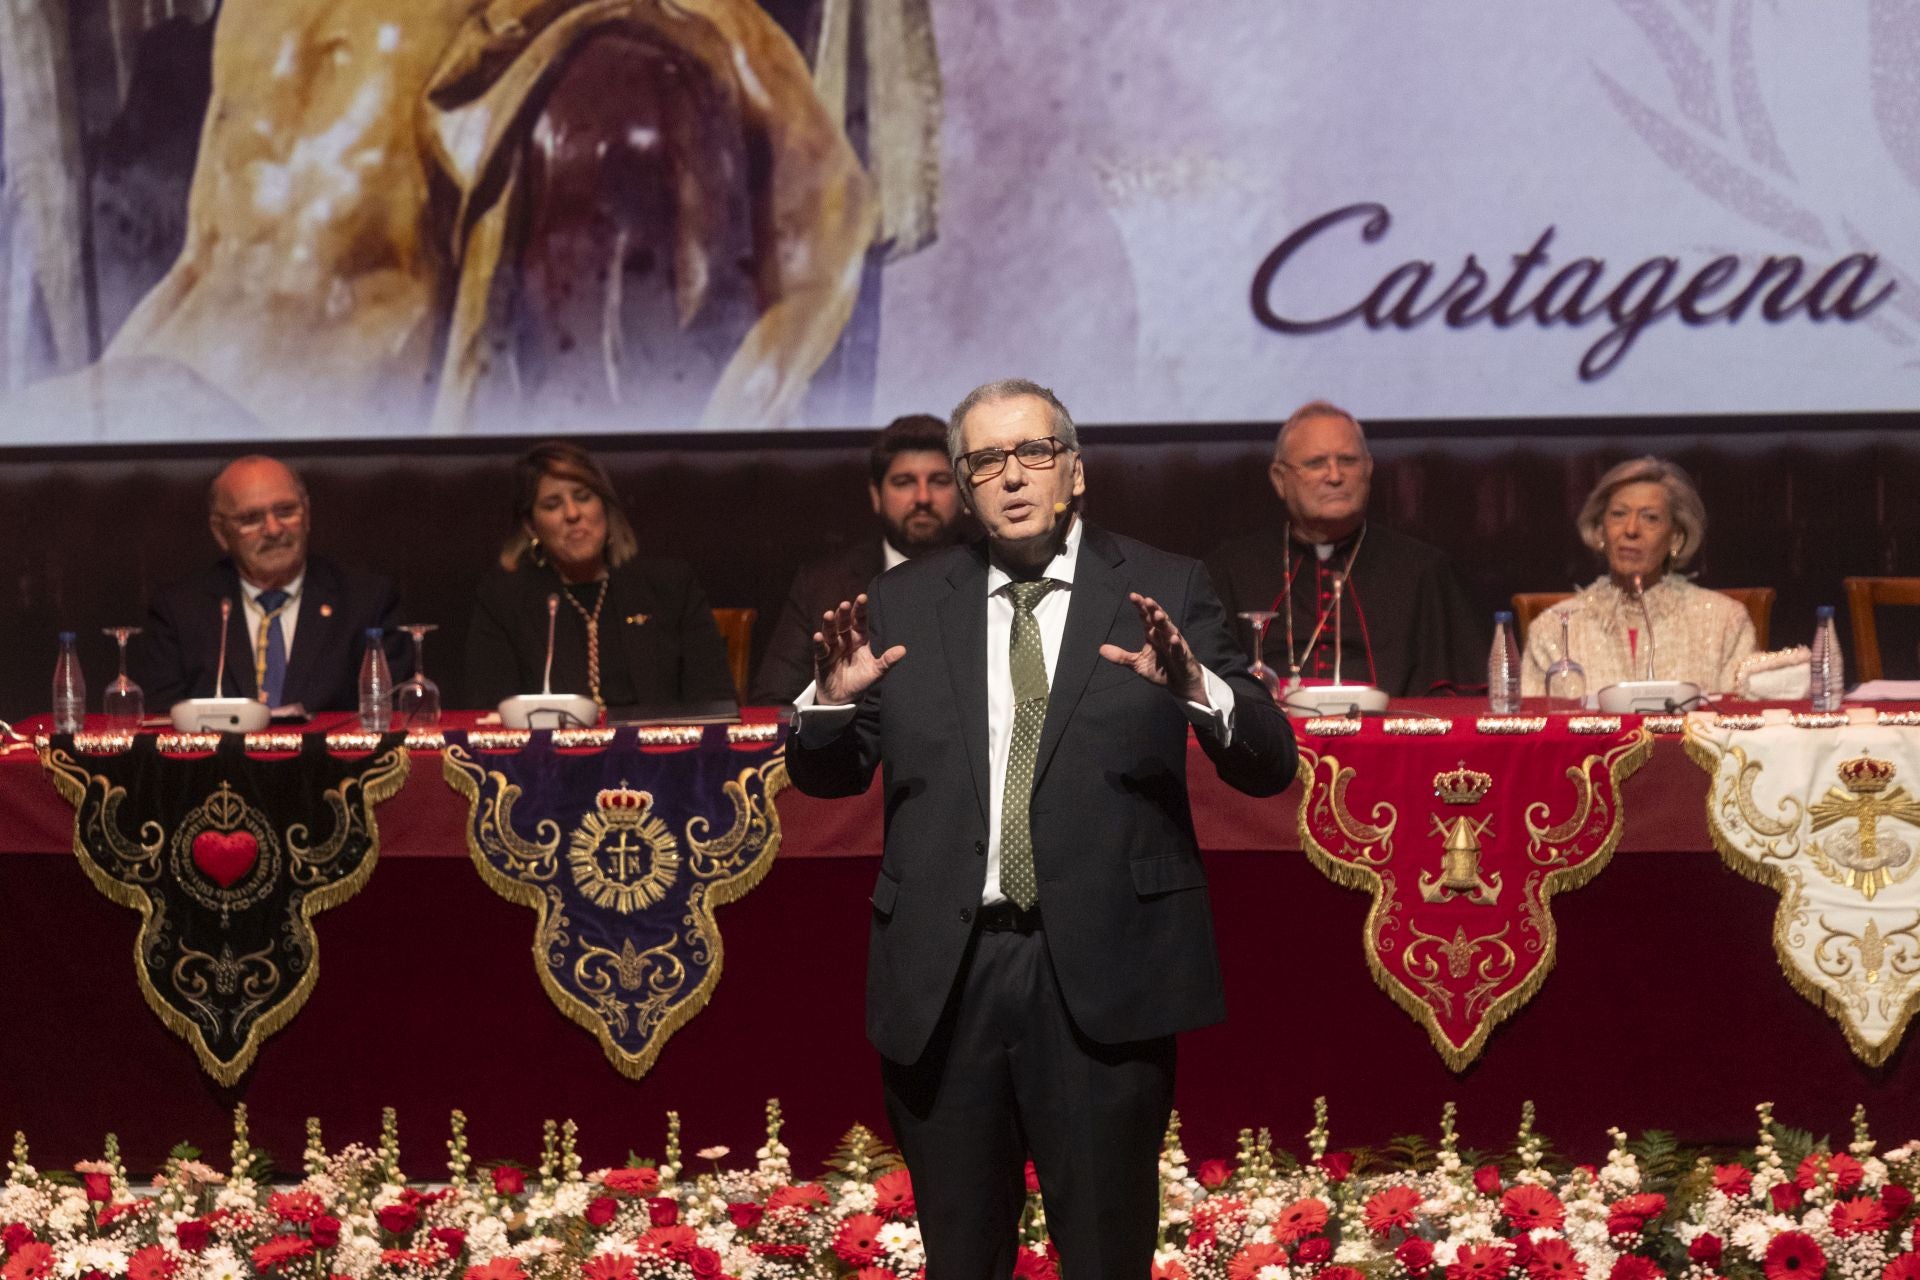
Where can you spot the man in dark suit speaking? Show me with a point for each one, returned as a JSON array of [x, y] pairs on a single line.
[[298, 625], [1040, 925]]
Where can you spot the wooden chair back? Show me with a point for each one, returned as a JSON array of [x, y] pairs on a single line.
[[736, 628], [1863, 596], [1757, 601]]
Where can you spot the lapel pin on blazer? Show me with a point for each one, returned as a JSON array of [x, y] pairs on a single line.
[[326, 611], [638, 619]]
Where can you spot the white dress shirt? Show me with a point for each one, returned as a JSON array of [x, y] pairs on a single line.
[[818, 722]]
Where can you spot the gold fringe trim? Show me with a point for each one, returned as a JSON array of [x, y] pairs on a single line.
[[468, 778], [380, 783], [1621, 761], [1774, 876]]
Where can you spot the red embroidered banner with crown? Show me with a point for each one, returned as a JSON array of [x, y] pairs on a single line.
[[623, 842], [227, 854], [1463, 836]]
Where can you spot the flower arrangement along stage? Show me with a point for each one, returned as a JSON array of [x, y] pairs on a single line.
[[1791, 1209]]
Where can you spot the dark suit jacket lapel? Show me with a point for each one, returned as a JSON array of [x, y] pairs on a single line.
[[639, 644], [314, 632], [963, 633], [1099, 592]]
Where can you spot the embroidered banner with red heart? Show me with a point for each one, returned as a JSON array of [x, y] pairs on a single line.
[[227, 856], [1462, 838]]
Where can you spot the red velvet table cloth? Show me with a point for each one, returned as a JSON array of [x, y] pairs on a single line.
[[1665, 1009]]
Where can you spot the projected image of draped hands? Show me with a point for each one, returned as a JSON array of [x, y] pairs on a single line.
[[1815, 258], [451, 214]]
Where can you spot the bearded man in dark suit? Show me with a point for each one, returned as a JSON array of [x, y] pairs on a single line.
[[298, 624], [1040, 925], [911, 486]]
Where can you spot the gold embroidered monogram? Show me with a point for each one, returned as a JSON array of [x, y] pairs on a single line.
[[623, 856]]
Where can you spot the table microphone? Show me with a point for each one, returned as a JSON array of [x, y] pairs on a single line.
[[559, 710], [1648, 696], [221, 714], [1338, 698]]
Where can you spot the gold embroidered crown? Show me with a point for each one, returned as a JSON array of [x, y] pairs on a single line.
[[1462, 785], [622, 799], [1864, 775]]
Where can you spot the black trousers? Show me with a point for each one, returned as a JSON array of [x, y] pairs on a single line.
[[1008, 1076]]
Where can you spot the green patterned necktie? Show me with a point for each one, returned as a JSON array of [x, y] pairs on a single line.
[[1028, 665]]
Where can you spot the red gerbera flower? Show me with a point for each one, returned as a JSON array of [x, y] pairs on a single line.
[[1840, 1169], [280, 1251], [31, 1261], [1646, 1205], [857, 1242], [893, 1194], [1631, 1266], [1030, 1264], [1529, 1207], [1246, 1264], [1859, 1216], [1301, 1218], [502, 1268], [1904, 1267], [1391, 1209], [1174, 1269], [675, 1242], [1793, 1255], [1480, 1262], [296, 1206], [640, 1181], [1553, 1259], [810, 1196], [1735, 1180], [608, 1266], [151, 1263]]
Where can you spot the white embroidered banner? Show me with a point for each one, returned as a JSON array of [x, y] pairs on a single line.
[[1829, 817]]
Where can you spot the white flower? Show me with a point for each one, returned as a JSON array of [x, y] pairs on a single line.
[[218, 1263], [69, 1215], [358, 1255], [537, 1247], [1751, 1237], [1445, 1253], [570, 1201], [713, 1153], [1272, 1271], [607, 1245], [858, 1197], [1263, 1209], [487, 1240]]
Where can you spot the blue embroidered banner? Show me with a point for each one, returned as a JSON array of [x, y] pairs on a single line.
[[623, 846]]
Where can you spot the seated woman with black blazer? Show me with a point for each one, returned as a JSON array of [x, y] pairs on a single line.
[[632, 630]]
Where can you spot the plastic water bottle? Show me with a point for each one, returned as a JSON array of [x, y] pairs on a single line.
[[1503, 667], [1829, 683], [69, 688], [376, 686]]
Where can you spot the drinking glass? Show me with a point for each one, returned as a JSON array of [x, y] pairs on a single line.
[[1260, 620], [123, 703], [1566, 679], [417, 701]]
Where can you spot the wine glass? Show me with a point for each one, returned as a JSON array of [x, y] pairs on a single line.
[[1260, 620], [123, 703], [417, 700], [1566, 679]]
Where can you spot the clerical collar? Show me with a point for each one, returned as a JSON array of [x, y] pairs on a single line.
[[1326, 551], [891, 557]]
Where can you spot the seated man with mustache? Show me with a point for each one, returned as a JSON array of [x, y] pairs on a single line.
[[298, 626]]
